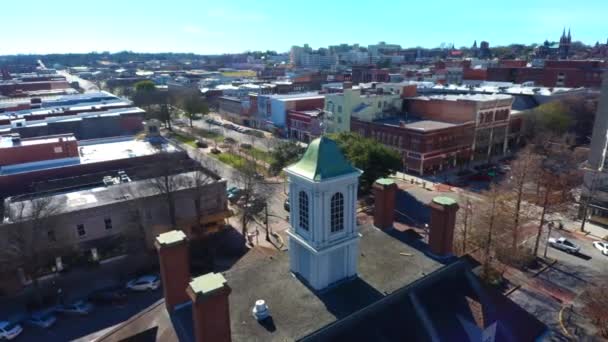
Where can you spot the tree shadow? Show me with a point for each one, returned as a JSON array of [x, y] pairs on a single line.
[[149, 335], [217, 252]]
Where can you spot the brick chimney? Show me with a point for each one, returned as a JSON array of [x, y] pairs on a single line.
[[443, 220], [384, 207], [210, 309], [174, 259]]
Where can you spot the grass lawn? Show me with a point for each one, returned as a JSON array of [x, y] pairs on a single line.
[[236, 161], [209, 135], [185, 139], [261, 155]]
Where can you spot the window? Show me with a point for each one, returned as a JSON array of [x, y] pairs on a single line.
[[303, 213], [379, 104], [80, 230], [339, 119], [58, 149], [51, 235], [339, 109], [108, 223], [337, 212]]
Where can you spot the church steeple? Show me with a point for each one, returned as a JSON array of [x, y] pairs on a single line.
[[569, 37]]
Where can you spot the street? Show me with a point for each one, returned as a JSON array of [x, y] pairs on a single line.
[[272, 189], [87, 86]]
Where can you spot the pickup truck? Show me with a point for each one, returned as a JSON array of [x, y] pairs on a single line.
[[564, 244]]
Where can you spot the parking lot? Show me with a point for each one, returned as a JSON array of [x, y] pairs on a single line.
[[87, 327]]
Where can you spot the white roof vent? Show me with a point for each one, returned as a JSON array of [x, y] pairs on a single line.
[[260, 310]]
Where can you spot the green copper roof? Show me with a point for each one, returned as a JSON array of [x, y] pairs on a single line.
[[170, 238], [322, 160], [444, 200], [207, 283], [385, 181]]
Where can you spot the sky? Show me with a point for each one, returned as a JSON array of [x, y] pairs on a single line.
[[232, 26]]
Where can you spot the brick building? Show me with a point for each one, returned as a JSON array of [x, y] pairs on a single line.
[[369, 73], [14, 150], [488, 113], [425, 146], [304, 125], [555, 73]]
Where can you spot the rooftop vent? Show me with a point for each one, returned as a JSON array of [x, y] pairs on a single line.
[[260, 310]]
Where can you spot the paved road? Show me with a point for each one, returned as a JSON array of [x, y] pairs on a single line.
[[88, 86], [559, 286], [273, 190]]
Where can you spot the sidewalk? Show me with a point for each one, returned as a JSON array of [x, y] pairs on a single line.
[[592, 230]]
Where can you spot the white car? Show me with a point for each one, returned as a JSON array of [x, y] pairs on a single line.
[[42, 319], [9, 331], [564, 244], [602, 246], [79, 307], [148, 282]]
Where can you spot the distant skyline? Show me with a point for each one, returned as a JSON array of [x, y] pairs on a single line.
[[215, 27]]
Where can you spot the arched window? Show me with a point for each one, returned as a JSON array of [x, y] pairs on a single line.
[[303, 212], [337, 212]]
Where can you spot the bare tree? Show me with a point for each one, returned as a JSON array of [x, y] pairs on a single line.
[[558, 176], [167, 182], [28, 233], [595, 304], [252, 198], [198, 182], [523, 171]]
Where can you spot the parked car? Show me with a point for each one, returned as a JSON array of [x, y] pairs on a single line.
[[108, 295], [42, 319], [79, 307], [9, 331], [564, 244], [286, 205], [233, 193], [144, 283], [602, 246]]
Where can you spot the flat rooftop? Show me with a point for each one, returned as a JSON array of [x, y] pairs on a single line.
[[296, 309], [414, 123], [95, 151], [98, 150], [506, 88], [466, 97], [7, 141], [88, 196]]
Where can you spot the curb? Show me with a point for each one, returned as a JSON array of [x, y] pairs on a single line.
[[560, 318]]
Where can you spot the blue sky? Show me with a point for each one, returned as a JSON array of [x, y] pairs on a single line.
[[227, 26]]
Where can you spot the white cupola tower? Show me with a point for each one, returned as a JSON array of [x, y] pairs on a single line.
[[323, 237]]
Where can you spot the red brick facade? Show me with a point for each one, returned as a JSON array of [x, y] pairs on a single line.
[[422, 152], [40, 149], [554, 74]]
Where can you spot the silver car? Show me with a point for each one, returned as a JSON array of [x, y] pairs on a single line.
[[565, 245]]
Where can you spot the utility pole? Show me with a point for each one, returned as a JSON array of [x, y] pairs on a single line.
[[267, 224], [550, 226], [464, 232]]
